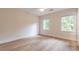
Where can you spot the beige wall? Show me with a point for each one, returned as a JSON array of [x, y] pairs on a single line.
[[78, 28], [55, 23], [15, 24]]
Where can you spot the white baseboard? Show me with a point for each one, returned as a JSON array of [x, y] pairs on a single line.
[[14, 38]]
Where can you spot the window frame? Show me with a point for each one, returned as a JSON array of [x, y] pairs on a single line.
[[74, 30], [46, 18]]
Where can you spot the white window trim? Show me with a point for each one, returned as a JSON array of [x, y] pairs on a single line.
[[45, 17], [74, 24]]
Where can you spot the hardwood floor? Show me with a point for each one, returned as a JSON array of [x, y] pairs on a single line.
[[38, 43]]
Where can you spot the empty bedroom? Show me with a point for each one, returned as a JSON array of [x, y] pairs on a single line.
[[39, 29]]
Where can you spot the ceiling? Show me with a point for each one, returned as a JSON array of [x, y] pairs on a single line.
[[37, 12]]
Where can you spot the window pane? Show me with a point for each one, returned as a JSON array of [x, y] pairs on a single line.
[[67, 23], [46, 24]]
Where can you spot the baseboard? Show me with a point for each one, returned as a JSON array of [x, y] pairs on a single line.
[[7, 40], [57, 37]]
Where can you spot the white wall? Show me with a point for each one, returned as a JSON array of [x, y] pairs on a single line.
[[55, 25], [15, 24]]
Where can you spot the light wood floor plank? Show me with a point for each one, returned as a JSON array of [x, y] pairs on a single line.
[[38, 43]]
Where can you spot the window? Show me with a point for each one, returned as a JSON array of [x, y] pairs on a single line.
[[68, 23], [46, 24]]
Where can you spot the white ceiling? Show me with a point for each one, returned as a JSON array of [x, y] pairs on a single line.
[[36, 11]]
